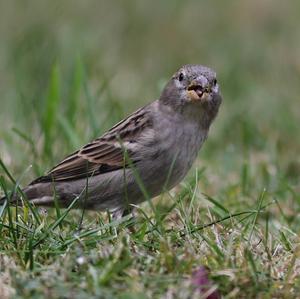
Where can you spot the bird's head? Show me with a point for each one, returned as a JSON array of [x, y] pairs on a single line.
[[193, 88]]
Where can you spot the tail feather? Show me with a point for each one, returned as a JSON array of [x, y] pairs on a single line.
[[44, 194], [12, 200], [2, 200], [39, 194]]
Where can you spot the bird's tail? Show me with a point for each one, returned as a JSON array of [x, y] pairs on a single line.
[[39, 194], [2, 200], [13, 200]]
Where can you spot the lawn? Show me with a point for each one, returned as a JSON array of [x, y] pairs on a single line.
[[69, 70]]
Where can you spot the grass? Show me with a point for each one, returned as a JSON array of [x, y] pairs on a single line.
[[70, 72]]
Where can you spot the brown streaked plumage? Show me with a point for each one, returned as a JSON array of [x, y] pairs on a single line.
[[103, 154]]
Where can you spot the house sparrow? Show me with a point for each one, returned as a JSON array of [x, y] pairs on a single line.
[[143, 155]]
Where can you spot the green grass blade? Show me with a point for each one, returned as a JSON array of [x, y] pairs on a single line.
[[75, 90], [51, 110], [259, 208]]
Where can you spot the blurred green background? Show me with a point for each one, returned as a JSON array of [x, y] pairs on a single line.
[[70, 69]]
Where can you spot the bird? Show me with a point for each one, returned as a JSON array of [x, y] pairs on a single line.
[[142, 156]]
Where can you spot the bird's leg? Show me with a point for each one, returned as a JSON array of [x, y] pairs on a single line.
[[123, 212]]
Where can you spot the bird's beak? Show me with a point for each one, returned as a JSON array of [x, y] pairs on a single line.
[[199, 90]]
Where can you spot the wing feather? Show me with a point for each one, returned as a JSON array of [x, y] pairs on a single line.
[[103, 154]]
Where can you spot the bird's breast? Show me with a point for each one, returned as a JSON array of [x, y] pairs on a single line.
[[178, 145]]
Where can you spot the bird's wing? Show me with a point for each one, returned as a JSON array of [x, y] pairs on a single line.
[[104, 154]]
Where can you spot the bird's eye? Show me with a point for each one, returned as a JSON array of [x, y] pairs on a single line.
[[181, 77], [215, 82]]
